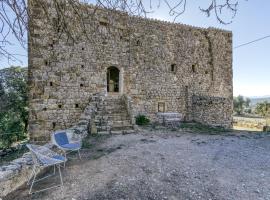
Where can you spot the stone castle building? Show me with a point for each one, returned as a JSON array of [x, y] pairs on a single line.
[[124, 66]]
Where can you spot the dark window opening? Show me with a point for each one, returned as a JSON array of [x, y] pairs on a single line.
[[82, 66], [103, 23], [59, 106], [83, 48], [161, 107], [173, 68], [113, 79], [46, 62], [53, 125], [139, 43], [51, 83], [206, 72], [193, 69], [76, 105], [44, 109], [81, 85]]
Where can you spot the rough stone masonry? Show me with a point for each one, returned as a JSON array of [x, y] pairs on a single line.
[[160, 66]]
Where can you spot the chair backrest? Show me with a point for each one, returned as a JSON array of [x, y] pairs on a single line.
[[32, 148], [43, 156], [61, 138]]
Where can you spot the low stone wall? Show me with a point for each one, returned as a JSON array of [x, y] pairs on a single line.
[[16, 173], [129, 104], [250, 123], [213, 111]]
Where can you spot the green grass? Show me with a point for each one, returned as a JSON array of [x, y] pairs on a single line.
[[201, 128]]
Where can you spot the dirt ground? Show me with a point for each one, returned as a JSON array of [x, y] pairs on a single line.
[[174, 165]]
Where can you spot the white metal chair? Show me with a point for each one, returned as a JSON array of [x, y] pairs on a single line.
[[44, 157], [67, 141]]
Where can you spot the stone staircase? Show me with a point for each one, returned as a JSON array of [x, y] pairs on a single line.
[[112, 116]]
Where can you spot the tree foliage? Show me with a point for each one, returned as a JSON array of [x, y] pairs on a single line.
[[240, 104], [263, 109], [14, 105]]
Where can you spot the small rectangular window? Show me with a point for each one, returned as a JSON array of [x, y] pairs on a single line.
[[173, 68], [193, 68], [103, 23], [161, 107]]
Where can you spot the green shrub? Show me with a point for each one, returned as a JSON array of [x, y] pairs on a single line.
[[13, 106], [142, 120]]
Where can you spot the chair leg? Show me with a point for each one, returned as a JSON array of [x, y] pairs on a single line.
[[66, 159], [79, 154], [60, 174], [30, 177], [35, 175]]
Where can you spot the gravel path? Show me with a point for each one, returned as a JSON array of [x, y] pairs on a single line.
[[170, 166]]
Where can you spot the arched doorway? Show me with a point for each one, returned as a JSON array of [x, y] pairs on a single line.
[[112, 79]]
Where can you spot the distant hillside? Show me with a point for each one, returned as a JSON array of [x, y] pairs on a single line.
[[255, 100]]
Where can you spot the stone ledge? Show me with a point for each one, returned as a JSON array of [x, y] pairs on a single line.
[[16, 173]]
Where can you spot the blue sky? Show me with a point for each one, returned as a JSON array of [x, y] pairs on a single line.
[[251, 63]]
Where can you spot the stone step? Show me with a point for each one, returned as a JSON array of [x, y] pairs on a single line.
[[111, 114], [120, 122], [130, 131], [103, 128], [112, 101], [121, 128], [113, 122], [113, 119], [114, 107], [119, 112]]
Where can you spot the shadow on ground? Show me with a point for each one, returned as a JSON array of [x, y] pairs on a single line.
[[166, 165]]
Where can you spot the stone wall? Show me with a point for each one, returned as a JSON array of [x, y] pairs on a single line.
[[159, 62], [16, 173], [249, 123], [212, 111]]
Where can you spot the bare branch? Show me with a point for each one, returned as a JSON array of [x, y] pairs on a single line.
[[14, 16]]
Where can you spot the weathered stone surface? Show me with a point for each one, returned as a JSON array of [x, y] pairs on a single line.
[[250, 123], [158, 62], [211, 111], [15, 174]]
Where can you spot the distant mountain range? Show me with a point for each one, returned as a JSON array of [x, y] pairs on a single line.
[[259, 97], [255, 100]]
